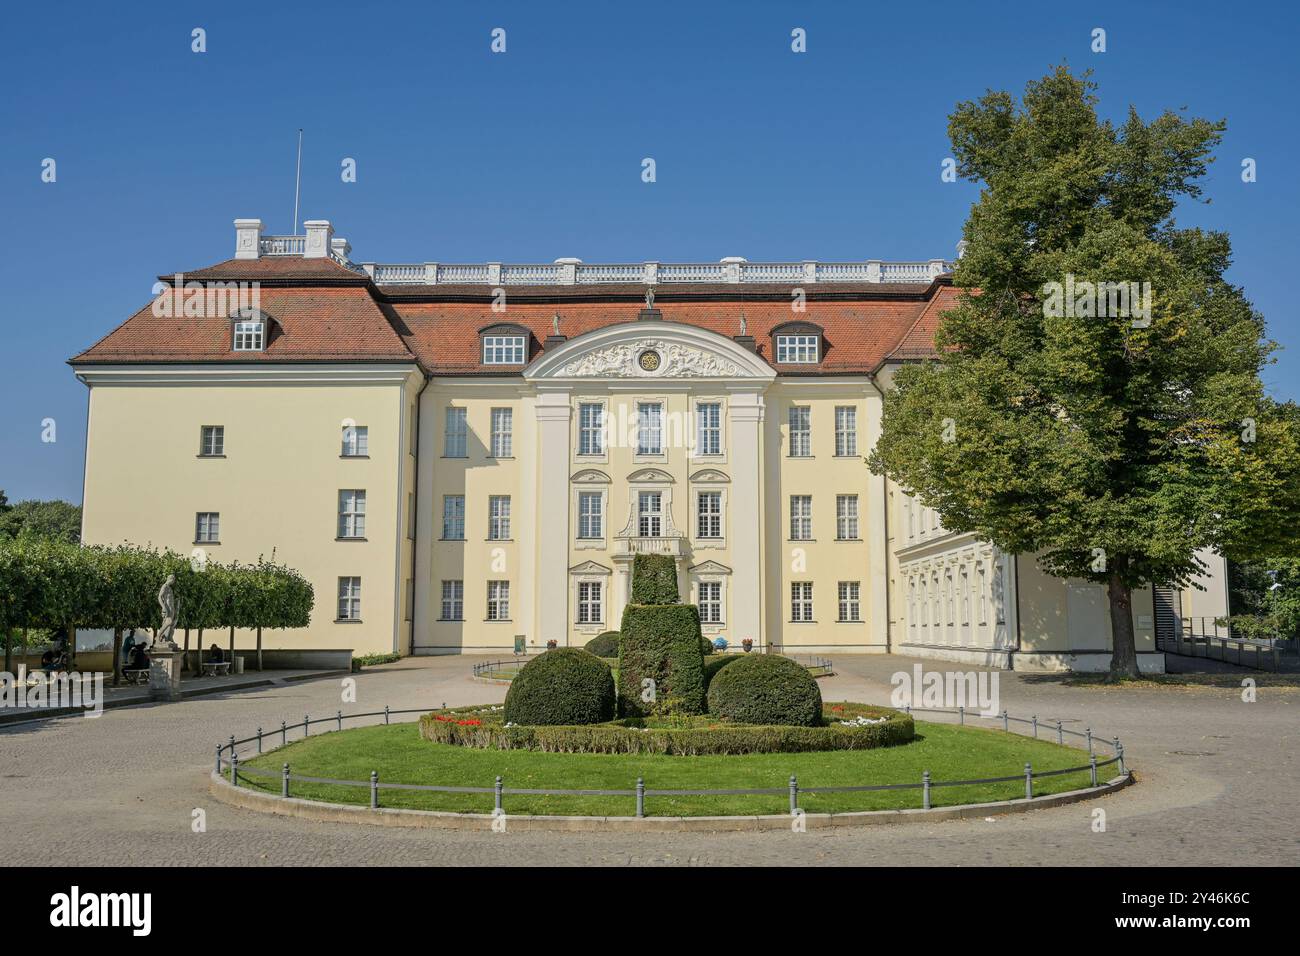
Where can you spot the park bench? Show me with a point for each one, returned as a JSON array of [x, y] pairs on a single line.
[[137, 675], [216, 668]]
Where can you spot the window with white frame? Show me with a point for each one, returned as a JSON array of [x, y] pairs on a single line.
[[455, 433], [502, 432], [797, 349], [650, 428], [356, 441], [352, 513], [708, 438], [590, 605], [591, 516], [708, 514], [850, 606], [249, 335], [207, 527], [453, 517], [498, 517], [504, 349], [846, 517], [212, 441], [710, 602], [801, 517], [453, 601], [801, 601], [498, 600], [846, 431], [800, 431], [649, 514], [349, 599], [591, 428]]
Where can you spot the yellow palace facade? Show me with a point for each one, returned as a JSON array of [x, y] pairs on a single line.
[[465, 458]]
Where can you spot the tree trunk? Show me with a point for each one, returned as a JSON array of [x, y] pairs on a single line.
[[185, 655], [1123, 660], [232, 649], [9, 650], [259, 647], [72, 647], [200, 649], [117, 656]]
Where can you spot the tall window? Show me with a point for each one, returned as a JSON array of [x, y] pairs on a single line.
[[801, 517], [650, 513], [589, 603], [352, 513], [846, 430], [453, 601], [796, 349], [800, 431], [849, 604], [708, 440], [710, 593], [650, 431], [356, 441], [212, 441], [801, 601], [349, 599], [499, 517], [455, 434], [504, 350], [846, 517], [590, 516], [207, 527], [498, 601], [249, 336], [453, 517], [502, 432], [591, 426], [708, 514]]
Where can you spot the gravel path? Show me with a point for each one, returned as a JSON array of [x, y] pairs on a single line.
[[1217, 785]]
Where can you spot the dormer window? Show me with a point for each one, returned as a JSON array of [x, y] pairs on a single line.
[[248, 331], [801, 349], [505, 349]]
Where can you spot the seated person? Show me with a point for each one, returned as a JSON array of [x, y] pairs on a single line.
[[139, 659], [214, 655]]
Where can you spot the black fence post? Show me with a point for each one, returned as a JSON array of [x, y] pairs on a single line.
[[1088, 731], [218, 758], [306, 725], [961, 714], [374, 790], [1035, 720], [1029, 782], [1060, 734], [284, 733], [385, 715], [259, 739], [925, 790], [1006, 721], [794, 793], [340, 725], [640, 796], [1092, 767], [234, 768]]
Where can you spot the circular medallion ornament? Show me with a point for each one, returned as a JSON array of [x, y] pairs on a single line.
[[648, 360]]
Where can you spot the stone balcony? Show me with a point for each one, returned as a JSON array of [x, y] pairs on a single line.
[[671, 545]]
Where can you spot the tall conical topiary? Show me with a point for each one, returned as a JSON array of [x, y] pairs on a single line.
[[660, 661]]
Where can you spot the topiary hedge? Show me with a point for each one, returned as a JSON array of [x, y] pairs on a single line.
[[654, 580], [563, 686], [706, 646], [482, 727], [719, 661], [660, 664], [605, 645], [766, 689]]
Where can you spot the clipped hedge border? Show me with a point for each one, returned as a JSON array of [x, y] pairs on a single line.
[[483, 727]]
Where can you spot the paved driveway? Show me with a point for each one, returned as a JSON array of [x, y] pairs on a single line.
[[1217, 785]]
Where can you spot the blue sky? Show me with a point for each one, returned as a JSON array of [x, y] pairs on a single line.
[[466, 155]]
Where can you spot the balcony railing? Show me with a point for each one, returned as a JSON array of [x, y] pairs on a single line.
[[569, 272], [661, 544]]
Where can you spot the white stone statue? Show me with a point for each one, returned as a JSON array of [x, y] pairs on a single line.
[[167, 601], [650, 298]]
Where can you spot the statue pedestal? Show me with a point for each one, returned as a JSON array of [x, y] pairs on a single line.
[[165, 672]]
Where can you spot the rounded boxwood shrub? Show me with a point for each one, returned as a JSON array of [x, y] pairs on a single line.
[[605, 645], [706, 646], [766, 689], [563, 686]]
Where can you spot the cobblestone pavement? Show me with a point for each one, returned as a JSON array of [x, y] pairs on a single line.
[[1217, 785]]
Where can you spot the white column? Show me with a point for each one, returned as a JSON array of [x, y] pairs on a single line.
[[552, 545], [746, 517], [877, 584]]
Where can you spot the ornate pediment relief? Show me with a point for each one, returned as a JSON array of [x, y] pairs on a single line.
[[709, 567], [650, 358], [650, 475], [589, 567], [709, 476], [591, 476]]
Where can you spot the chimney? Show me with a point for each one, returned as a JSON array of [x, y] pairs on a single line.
[[319, 236], [248, 238]]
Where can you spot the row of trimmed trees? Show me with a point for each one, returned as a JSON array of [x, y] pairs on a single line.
[[48, 584]]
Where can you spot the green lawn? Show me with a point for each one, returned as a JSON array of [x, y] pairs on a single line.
[[401, 756]]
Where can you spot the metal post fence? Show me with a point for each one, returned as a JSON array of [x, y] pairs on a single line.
[[374, 790], [259, 739], [794, 793], [925, 790], [1029, 782], [640, 796], [1060, 734], [234, 767], [284, 733], [496, 789], [284, 782], [1092, 768]]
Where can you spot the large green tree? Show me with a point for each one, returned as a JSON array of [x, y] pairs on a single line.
[[1110, 439], [43, 519]]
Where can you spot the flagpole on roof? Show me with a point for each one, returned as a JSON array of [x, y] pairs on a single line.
[[297, 181]]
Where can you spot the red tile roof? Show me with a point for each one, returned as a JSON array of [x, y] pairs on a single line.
[[325, 312]]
